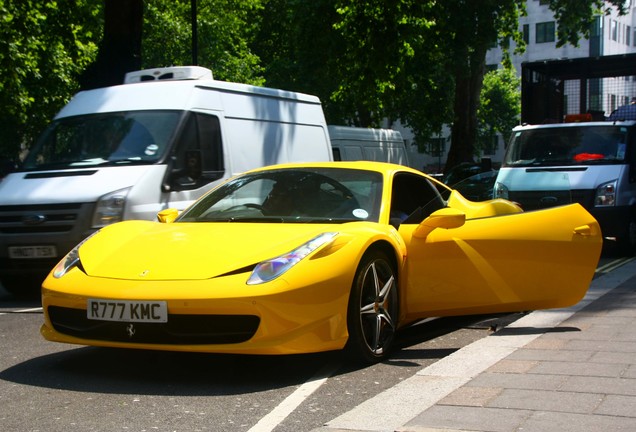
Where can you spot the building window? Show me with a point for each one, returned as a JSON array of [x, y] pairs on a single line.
[[614, 30], [526, 33], [628, 35], [545, 32], [612, 102], [595, 29], [435, 147], [490, 145]]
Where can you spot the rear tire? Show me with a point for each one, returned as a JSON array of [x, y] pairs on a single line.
[[373, 309]]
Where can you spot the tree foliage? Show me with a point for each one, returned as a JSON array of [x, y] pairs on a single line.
[[500, 104], [417, 61], [120, 48], [225, 31], [300, 49], [44, 46], [470, 29]]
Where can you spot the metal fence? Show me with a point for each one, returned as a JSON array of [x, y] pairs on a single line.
[[552, 89]]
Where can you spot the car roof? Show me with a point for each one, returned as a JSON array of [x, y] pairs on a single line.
[[383, 167]]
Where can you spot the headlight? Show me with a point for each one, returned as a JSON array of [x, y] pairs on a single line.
[[606, 195], [500, 191], [110, 208], [271, 269], [70, 260]]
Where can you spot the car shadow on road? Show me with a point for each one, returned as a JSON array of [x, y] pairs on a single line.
[[128, 371], [106, 370]]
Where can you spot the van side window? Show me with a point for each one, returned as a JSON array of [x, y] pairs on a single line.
[[198, 158], [336, 154], [413, 198]]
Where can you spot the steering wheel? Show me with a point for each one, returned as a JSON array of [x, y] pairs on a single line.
[[333, 199], [247, 205]]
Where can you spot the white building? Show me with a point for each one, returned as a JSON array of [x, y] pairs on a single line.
[[611, 34]]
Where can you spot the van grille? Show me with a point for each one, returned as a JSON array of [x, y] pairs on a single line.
[[535, 200], [38, 219]]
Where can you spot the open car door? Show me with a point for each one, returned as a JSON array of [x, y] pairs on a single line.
[[458, 264]]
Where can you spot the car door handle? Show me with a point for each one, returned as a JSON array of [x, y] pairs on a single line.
[[584, 230]]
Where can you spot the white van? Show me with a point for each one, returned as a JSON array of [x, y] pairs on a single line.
[[355, 143], [160, 140], [592, 163]]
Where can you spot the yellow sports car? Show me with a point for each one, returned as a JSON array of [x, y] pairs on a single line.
[[315, 257]]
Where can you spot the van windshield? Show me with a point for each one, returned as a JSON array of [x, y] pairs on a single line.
[[569, 145], [134, 137]]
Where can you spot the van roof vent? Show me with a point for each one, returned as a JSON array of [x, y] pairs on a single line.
[[173, 73]]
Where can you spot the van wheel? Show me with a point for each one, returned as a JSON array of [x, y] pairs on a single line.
[[627, 244], [24, 287], [373, 309]]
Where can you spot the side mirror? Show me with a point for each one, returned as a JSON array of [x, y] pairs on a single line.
[[167, 215], [184, 174], [444, 218]]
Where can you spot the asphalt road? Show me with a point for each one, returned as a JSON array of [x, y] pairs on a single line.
[[46, 386]]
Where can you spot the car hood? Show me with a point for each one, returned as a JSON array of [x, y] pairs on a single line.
[[144, 250]]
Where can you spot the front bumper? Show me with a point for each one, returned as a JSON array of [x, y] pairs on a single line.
[[222, 315]]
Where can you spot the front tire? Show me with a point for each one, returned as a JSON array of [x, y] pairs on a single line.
[[373, 309], [627, 243]]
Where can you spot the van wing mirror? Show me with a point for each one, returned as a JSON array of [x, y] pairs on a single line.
[[184, 173], [167, 215], [446, 218]]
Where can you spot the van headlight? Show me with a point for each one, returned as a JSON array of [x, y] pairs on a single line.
[[606, 194], [500, 191], [110, 208]]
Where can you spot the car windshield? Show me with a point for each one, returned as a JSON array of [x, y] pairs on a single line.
[[573, 145], [302, 195], [135, 137]]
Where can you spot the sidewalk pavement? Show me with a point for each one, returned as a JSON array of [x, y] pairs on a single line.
[[560, 370]]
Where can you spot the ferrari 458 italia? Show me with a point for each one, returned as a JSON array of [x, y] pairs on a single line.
[[315, 257]]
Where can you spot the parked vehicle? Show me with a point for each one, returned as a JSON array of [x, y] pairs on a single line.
[[160, 140], [473, 181], [355, 143], [592, 163], [313, 259]]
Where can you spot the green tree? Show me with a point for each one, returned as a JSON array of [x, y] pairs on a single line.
[[367, 60], [44, 46], [225, 30], [472, 27], [120, 48], [299, 50], [466, 30], [500, 104], [419, 61]]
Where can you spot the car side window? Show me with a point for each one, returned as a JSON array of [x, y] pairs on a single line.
[[413, 199]]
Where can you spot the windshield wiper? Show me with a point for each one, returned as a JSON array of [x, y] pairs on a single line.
[[48, 166], [132, 161]]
